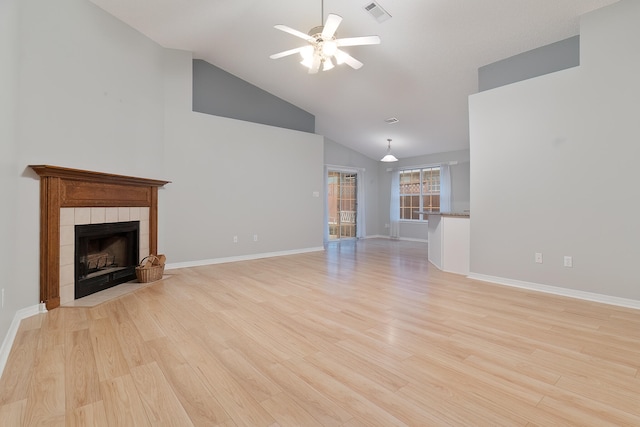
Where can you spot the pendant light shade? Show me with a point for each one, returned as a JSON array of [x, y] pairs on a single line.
[[389, 157]]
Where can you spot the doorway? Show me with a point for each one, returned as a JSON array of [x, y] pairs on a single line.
[[342, 203]]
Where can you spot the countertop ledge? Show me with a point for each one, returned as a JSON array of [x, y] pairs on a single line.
[[457, 214]]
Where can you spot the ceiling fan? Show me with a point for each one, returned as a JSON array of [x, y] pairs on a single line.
[[323, 48]]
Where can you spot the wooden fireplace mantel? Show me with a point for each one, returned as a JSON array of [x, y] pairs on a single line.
[[65, 187]]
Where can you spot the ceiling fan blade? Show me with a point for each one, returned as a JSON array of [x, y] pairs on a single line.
[[296, 33], [344, 57], [358, 41], [330, 26], [287, 52]]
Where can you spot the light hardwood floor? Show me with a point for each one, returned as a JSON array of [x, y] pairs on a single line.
[[365, 334]]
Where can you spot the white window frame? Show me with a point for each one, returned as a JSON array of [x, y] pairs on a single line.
[[422, 194]]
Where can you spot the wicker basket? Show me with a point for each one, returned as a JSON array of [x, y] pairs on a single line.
[[149, 272]]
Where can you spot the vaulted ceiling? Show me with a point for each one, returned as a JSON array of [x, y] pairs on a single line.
[[422, 73]]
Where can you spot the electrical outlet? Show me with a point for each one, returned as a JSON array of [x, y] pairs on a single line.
[[235, 239], [568, 261], [538, 257], [255, 237]]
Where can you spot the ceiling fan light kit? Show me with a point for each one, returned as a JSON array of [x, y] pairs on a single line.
[[323, 47]]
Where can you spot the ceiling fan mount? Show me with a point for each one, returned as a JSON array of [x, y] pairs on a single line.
[[323, 47], [316, 32]]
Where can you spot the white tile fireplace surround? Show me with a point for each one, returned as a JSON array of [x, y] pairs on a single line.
[[70, 217]]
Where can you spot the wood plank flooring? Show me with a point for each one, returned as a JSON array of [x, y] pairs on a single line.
[[363, 334]]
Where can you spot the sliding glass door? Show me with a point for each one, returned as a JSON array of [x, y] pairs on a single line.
[[342, 202]]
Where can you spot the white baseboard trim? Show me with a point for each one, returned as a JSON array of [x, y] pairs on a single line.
[[7, 343], [571, 293], [239, 258], [439, 267], [406, 239], [410, 239]]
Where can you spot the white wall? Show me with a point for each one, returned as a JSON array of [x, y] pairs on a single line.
[[378, 185], [87, 93], [8, 162], [91, 90], [338, 155], [234, 178], [554, 167], [459, 184], [460, 179], [92, 93]]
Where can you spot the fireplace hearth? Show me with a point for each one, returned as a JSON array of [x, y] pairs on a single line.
[[105, 255]]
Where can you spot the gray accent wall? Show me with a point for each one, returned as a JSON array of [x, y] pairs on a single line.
[[554, 164], [220, 93], [537, 62]]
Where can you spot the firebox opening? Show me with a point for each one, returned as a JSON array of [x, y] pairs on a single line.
[[105, 255]]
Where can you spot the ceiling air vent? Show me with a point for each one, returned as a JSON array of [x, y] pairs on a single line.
[[378, 13], [391, 120]]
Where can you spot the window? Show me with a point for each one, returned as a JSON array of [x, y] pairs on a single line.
[[419, 191]]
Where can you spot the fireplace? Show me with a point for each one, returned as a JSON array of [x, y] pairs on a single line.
[[105, 255], [71, 197]]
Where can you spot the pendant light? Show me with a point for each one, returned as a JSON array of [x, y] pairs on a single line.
[[389, 157]]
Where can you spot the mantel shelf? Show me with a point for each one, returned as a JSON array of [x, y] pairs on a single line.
[[91, 176]]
